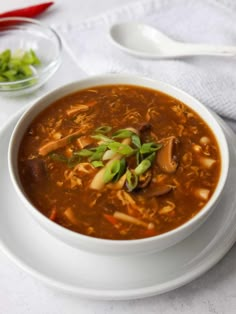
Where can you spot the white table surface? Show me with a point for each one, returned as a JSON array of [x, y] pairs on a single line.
[[214, 292]]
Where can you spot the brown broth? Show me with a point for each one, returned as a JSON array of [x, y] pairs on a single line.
[[62, 193]]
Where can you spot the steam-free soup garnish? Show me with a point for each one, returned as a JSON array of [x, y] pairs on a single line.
[[119, 162]]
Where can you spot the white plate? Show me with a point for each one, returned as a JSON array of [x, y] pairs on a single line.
[[101, 277]]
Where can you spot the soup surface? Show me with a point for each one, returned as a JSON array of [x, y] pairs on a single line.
[[119, 162]]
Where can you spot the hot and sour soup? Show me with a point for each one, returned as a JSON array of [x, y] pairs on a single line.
[[119, 162]]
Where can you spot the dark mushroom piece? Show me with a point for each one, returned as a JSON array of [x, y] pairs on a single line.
[[159, 190], [145, 126], [165, 156], [36, 169]]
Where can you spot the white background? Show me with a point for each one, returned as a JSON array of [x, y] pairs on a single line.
[[214, 292]]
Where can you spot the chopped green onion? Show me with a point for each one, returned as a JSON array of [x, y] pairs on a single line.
[[103, 129], [120, 148], [111, 170], [58, 157], [138, 158], [5, 56], [2, 79], [131, 180], [143, 167], [25, 70], [147, 148], [17, 66], [96, 156], [136, 140], [97, 163], [30, 57], [10, 75], [84, 153], [101, 137], [121, 170], [151, 157], [98, 152], [99, 148], [73, 161], [123, 133]]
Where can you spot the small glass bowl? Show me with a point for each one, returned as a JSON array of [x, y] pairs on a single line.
[[24, 34]]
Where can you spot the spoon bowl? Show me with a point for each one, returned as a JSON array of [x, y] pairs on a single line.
[[145, 41]]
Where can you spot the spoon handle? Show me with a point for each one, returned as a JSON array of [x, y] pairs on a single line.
[[204, 49]]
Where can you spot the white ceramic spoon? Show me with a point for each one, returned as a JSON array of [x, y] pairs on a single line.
[[147, 42]]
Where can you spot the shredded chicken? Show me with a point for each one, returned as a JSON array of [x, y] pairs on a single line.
[[74, 176], [129, 202], [167, 208], [76, 109], [151, 113]]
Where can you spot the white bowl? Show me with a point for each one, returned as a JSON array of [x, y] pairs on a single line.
[[118, 247]]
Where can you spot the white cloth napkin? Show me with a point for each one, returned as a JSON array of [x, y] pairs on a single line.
[[210, 79]]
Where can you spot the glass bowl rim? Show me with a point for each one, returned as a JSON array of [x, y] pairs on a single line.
[[50, 65]]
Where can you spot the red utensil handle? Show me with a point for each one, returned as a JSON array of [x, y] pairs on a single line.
[[31, 11]]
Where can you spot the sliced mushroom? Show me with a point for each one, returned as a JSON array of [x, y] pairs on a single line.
[[54, 145], [159, 190], [165, 156]]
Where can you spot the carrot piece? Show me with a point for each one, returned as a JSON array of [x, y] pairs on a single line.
[[53, 214], [110, 219], [149, 233]]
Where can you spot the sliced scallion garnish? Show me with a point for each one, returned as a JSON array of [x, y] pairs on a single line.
[[121, 170], [101, 137], [147, 148], [131, 180], [17, 66], [111, 170], [98, 152], [97, 163], [84, 153], [122, 133], [151, 157], [58, 157], [121, 148], [136, 140], [103, 129], [142, 167]]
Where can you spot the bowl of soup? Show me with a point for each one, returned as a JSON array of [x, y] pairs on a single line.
[[118, 164]]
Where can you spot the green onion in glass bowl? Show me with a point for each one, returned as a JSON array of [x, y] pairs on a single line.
[[30, 53]]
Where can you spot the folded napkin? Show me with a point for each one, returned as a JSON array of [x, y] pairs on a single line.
[[212, 80]]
